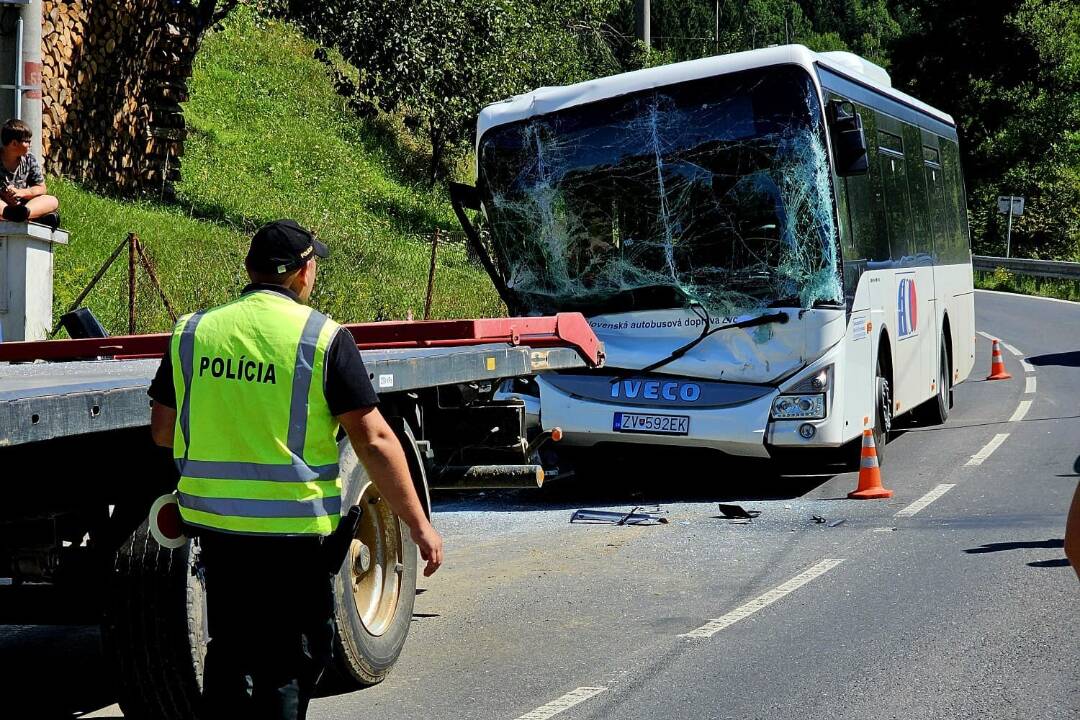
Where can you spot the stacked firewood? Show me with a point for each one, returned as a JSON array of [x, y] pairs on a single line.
[[114, 74]]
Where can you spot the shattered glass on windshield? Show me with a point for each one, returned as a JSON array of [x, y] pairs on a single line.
[[716, 191]]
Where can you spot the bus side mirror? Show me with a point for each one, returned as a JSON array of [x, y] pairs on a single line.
[[848, 139], [466, 196]]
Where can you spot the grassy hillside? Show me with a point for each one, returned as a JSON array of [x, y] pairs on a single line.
[[270, 138]]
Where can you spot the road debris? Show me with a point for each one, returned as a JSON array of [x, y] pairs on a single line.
[[608, 517], [736, 512]]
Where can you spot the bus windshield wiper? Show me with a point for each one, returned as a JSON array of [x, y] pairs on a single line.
[[707, 330]]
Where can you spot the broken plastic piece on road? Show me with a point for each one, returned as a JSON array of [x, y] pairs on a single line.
[[736, 512], [608, 517]]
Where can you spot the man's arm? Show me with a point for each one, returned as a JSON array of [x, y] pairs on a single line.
[[1072, 532], [162, 424], [380, 451]]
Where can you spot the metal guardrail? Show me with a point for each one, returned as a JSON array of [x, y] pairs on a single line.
[[1035, 268]]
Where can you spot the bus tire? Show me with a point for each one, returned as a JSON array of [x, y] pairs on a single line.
[[375, 588], [935, 411], [883, 417]]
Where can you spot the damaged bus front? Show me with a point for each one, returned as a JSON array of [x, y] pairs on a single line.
[[689, 212]]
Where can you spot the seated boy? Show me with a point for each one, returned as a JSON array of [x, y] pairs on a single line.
[[22, 185]]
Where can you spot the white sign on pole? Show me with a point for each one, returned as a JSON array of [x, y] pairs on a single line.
[[1017, 203]]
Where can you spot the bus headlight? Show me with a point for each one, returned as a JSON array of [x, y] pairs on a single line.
[[820, 381], [799, 407]]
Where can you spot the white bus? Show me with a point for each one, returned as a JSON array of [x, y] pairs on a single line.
[[772, 245]]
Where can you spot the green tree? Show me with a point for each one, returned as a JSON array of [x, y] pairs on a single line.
[[1016, 100], [440, 61]]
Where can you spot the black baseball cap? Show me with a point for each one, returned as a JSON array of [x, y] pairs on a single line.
[[282, 246]]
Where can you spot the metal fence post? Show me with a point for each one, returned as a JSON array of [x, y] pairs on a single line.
[[431, 276], [132, 241]]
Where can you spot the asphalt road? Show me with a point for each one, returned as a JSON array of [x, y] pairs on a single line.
[[959, 608]]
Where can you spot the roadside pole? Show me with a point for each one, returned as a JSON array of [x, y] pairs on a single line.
[[29, 71], [1013, 205], [1008, 233]]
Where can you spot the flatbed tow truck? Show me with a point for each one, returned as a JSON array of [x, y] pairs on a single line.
[[79, 473]]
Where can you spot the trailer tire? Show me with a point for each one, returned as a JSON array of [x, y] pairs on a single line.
[[154, 631], [376, 587]]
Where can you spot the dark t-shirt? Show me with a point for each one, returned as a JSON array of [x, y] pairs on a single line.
[[348, 386], [26, 175]]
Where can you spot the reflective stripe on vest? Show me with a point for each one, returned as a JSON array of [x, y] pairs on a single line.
[[187, 366], [289, 496]]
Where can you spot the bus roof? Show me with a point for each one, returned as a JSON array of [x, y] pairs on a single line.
[[552, 99]]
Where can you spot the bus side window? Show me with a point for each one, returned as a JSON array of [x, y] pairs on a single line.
[[935, 192], [896, 197], [920, 210], [955, 203], [864, 198]]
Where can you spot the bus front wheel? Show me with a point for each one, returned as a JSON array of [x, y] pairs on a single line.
[[883, 414]]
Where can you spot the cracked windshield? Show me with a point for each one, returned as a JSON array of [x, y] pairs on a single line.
[[715, 191]]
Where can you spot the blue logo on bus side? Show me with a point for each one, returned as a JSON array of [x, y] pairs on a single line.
[[907, 307]]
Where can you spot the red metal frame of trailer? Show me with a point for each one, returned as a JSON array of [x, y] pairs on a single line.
[[562, 330]]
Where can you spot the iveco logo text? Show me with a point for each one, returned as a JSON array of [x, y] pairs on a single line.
[[656, 390]]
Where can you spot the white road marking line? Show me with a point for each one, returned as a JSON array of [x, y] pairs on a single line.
[[1029, 386], [1028, 367], [762, 601], [885, 529], [979, 457], [1011, 349], [988, 336], [1021, 411], [1029, 297], [925, 500], [560, 704]]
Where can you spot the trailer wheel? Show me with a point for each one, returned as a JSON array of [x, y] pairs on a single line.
[[375, 588], [154, 629]]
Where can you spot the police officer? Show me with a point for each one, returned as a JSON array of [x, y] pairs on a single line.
[[250, 397]]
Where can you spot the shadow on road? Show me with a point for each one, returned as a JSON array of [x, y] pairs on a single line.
[[1019, 545], [1059, 562], [53, 671], [1064, 359], [649, 477]]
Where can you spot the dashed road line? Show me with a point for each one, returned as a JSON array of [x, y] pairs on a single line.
[[1028, 367], [1011, 349], [1021, 411], [1004, 344], [558, 705], [1029, 386], [925, 500], [988, 449], [762, 601]]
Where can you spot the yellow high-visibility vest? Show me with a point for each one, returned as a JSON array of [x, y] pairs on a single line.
[[255, 443]]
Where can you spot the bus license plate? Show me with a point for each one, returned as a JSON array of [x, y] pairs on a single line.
[[655, 424]]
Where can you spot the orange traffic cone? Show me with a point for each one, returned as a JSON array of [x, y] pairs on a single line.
[[869, 472], [997, 365]]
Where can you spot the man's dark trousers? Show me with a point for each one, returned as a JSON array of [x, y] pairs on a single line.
[[270, 611]]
